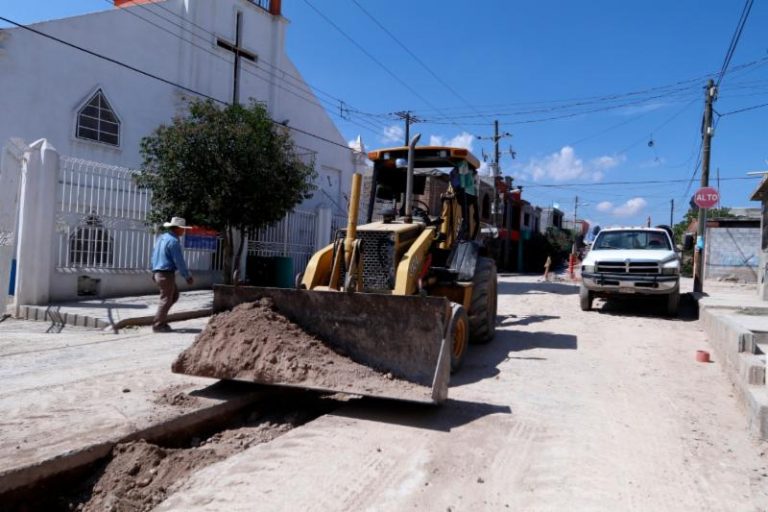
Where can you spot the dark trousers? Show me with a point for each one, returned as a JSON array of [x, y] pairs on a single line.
[[169, 294]]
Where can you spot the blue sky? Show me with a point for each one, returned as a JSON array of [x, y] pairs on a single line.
[[592, 92]]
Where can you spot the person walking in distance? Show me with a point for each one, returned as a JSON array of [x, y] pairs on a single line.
[[167, 258]]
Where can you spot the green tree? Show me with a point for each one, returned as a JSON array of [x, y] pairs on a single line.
[[227, 168], [692, 214]]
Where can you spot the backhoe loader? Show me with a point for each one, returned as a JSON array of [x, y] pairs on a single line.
[[406, 291]]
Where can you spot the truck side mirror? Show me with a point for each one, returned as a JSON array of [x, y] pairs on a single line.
[[688, 241]]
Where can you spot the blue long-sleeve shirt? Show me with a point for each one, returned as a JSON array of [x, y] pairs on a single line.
[[167, 255]]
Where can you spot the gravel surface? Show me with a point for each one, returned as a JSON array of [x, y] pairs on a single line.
[[563, 410]]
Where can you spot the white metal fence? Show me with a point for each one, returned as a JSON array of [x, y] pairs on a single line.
[[293, 236], [102, 221]]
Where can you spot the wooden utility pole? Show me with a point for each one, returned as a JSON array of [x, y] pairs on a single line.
[[409, 119], [706, 147], [496, 168], [671, 212]]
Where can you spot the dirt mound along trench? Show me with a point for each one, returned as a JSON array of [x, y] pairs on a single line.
[[254, 342]]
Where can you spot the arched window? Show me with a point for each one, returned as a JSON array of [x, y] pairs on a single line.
[[97, 121], [91, 244]]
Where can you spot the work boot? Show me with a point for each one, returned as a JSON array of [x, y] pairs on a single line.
[[162, 328]]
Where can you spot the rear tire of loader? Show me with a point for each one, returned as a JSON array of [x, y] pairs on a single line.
[[458, 334], [482, 312]]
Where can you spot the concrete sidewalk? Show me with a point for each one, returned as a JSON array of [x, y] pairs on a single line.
[[68, 398], [117, 312], [736, 322]]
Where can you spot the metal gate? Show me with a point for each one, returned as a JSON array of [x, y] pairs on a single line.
[[11, 162]]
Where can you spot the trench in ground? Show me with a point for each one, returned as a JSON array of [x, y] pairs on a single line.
[[138, 475]]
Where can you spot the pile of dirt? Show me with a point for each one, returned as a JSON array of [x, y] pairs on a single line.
[[141, 475], [254, 342], [176, 396]]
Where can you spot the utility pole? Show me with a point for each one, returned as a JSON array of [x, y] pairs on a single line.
[[409, 119], [671, 212], [496, 167], [575, 212], [706, 147]]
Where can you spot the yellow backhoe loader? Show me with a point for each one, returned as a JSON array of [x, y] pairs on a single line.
[[406, 291]]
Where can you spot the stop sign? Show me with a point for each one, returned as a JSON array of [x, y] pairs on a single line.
[[706, 197]]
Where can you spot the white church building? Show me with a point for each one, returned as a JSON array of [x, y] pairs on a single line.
[[92, 87]]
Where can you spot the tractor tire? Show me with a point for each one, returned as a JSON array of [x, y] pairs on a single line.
[[457, 334], [482, 309], [585, 298]]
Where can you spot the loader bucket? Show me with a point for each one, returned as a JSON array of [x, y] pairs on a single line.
[[401, 338]]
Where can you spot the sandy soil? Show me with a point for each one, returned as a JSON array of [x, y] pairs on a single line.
[[564, 410], [140, 475], [254, 342]]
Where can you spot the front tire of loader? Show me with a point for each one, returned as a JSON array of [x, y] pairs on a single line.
[[458, 335], [482, 312]]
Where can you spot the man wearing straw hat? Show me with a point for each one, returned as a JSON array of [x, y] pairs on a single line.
[[167, 258]]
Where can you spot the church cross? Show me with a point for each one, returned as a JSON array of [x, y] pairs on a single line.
[[239, 52]]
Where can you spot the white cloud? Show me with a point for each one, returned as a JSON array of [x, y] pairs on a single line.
[[627, 209], [561, 166], [462, 140], [606, 162], [393, 133], [604, 206], [631, 207], [565, 165]]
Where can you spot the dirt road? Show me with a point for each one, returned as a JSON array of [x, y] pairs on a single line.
[[564, 410]]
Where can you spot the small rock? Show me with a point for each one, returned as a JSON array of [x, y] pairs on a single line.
[[480, 480], [126, 390]]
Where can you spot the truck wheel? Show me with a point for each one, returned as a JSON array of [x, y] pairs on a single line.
[[458, 335], [482, 309], [585, 298], [673, 303]]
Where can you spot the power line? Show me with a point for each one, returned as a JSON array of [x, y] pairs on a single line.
[[734, 41], [159, 78], [373, 58], [612, 183], [416, 58], [746, 109]]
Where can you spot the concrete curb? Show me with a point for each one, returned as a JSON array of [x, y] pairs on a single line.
[[25, 476], [735, 348]]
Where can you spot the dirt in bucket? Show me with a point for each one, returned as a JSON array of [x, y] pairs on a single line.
[[254, 342]]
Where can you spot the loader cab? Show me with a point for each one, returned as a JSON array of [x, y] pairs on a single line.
[[445, 189]]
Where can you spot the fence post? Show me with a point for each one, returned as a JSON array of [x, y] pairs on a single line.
[[10, 175], [324, 222], [37, 212]]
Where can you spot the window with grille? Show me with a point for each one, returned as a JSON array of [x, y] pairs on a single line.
[[97, 121], [91, 244]]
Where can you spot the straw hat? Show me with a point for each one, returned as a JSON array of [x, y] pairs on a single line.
[[177, 222]]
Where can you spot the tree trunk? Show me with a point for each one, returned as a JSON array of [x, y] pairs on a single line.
[[228, 243]]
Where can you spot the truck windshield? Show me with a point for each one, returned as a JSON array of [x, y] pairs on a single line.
[[651, 240]]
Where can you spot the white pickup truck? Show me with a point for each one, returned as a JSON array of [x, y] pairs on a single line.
[[636, 261]]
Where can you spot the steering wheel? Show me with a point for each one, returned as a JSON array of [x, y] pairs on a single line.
[[419, 211]]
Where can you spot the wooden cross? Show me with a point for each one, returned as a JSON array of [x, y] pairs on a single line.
[[239, 52]]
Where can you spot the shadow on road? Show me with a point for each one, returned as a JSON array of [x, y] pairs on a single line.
[[443, 418], [482, 361], [646, 307], [526, 320], [537, 288]]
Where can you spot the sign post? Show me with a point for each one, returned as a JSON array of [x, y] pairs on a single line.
[[704, 198]]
